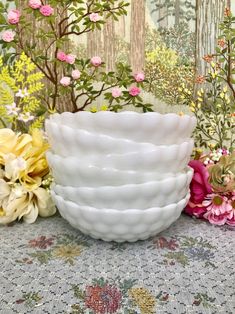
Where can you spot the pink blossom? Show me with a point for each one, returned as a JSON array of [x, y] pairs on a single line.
[[139, 77], [46, 10], [116, 92], [134, 91], [70, 59], [217, 207], [61, 56], [199, 188], [65, 81], [231, 215], [35, 4], [76, 74], [96, 61], [94, 17], [13, 16], [8, 36]]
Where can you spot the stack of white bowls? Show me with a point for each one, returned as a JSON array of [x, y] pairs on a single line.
[[120, 176]]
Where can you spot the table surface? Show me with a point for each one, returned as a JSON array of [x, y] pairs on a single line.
[[49, 267]]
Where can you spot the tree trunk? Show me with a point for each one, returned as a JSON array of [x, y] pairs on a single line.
[[209, 14], [94, 43], [109, 45], [137, 50], [163, 14], [177, 12]]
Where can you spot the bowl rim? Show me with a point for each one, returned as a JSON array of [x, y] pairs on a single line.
[[127, 112], [120, 212], [188, 172]]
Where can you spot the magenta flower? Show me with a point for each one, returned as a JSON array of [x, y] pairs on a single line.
[[13, 16], [46, 10], [61, 56], [76, 74], [139, 77], [94, 17], [231, 215], [199, 188], [134, 91], [65, 81], [103, 300], [70, 59], [35, 4], [116, 92], [8, 36], [218, 208], [96, 61]]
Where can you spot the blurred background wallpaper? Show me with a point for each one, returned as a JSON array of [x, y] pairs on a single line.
[[167, 39]]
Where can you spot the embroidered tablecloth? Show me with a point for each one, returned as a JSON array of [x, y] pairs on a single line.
[[49, 267]]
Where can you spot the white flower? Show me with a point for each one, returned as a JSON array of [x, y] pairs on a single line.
[[13, 166], [25, 117], [22, 93], [12, 109]]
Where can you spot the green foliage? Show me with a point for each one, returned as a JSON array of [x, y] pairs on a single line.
[[164, 70], [19, 87], [182, 40], [214, 104]]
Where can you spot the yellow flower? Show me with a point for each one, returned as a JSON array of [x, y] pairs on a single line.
[[8, 140], [143, 299], [93, 109], [104, 108], [68, 252]]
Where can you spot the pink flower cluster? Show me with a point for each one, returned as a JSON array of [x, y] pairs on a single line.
[[217, 208], [63, 57], [45, 10]]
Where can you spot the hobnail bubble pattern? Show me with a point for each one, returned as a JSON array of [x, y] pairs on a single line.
[[119, 226]]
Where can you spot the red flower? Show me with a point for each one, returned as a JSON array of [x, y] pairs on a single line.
[[163, 243], [221, 43], [103, 300], [41, 242], [208, 58], [200, 79], [227, 12], [199, 188]]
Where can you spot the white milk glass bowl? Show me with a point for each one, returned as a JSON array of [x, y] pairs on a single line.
[[141, 196], [151, 127], [115, 225]]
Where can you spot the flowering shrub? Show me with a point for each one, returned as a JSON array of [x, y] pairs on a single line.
[[23, 177], [214, 104], [67, 75], [164, 70], [213, 188]]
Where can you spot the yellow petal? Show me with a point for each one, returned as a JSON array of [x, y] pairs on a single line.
[[45, 204]]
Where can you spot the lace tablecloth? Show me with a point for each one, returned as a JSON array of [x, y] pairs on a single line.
[[49, 267]]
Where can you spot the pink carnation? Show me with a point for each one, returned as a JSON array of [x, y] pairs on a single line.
[[61, 56], [76, 74], [46, 10], [134, 91], [116, 92], [199, 188], [8, 36], [70, 59], [231, 215], [96, 61], [139, 77], [94, 17], [35, 4], [13, 16], [65, 81]]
